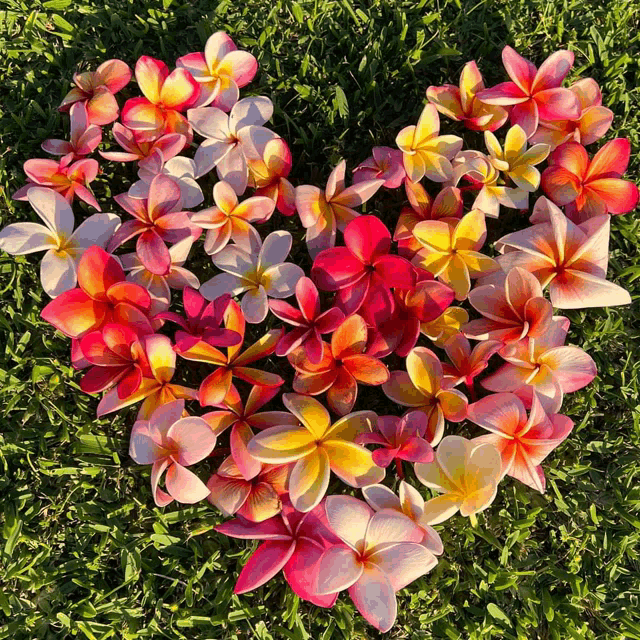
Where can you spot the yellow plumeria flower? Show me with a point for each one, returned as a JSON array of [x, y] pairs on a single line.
[[443, 328], [516, 160], [424, 152]]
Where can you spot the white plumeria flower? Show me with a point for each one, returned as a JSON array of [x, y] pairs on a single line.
[[64, 246], [181, 169], [159, 287], [231, 138], [261, 272]]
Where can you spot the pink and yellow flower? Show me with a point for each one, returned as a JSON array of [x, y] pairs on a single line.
[[84, 136], [137, 147], [269, 175]]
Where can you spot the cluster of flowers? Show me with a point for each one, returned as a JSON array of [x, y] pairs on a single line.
[[275, 479]]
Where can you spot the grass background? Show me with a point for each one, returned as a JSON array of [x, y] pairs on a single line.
[[85, 554]]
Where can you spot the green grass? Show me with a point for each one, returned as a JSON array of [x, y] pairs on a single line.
[[85, 554]]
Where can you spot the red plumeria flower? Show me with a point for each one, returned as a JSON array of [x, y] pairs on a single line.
[[465, 363], [158, 220], [534, 94], [363, 272], [96, 89], [385, 164], [137, 147], [165, 96], [269, 175], [309, 320], [589, 188], [85, 137]]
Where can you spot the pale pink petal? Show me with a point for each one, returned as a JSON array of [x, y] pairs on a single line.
[[348, 518], [374, 598], [403, 562], [184, 486], [338, 568]]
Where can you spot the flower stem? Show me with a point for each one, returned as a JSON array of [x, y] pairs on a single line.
[[399, 468]]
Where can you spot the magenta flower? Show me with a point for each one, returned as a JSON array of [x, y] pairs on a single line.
[[85, 137], [137, 146], [385, 164]]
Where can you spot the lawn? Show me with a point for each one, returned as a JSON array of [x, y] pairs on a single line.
[[87, 555]]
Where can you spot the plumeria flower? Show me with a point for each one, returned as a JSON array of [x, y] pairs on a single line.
[[534, 94], [423, 386], [309, 320], [461, 103], [171, 443], [344, 363], [96, 89], [256, 498], [324, 212], [589, 188], [424, 152], [595, 120], [84, 137], [411, 504], [261, 273], [64, 176], [158, 220], [292, 542], [159, 286], [64, 247], [182, 170], [385, 164], [569, 259], [363, 272], [466, 473], [155, 391], [317, 447], [450, 250], [445, 326], [512, 312], [221, 71], [447, 204], [523, 442], [165, 96], [381, 555], [231, 220], [137, 147], [232, 138], [466, 363]]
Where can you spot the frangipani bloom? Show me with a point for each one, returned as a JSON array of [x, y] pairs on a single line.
[[466, 473], [381, 555], [410, 503], [309, 321], [323, 212], [423, 387], [221, 71], [136, 147], [292, 542], [363, 272], [523, 442], [534, 94], [165, 96], [64, 247], [232, 138], [570, 259], [261, 272], [170, 443], [466, 364], [440, 330], [593, 123], [450, 250], [230, 220], [385, 164], [96, 89], [462, 104], [342, 366], [317, 447], [159, 286], [424, 152], [512, 312], [84, 137], [590, 188]]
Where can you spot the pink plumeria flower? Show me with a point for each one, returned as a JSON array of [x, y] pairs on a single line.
[[64, 176], [221, 71], [96, 89], [523, 442], [381, 555], [385, 164], [171, 443], [85, 137], [137, 147], [231, 220], [411, 504], [64, 247], [534, 94], [159, 286], [466, 363], [261, 273], [232, 138]]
